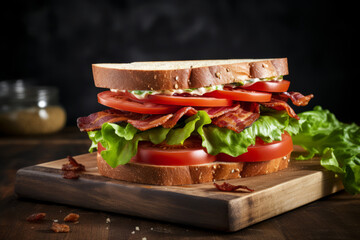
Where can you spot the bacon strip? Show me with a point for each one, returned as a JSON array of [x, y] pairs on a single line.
[[150, 121], [146, 121], [236, 117], [95, 120], [176, 116], [214, 112], [239, 119], [297, 98], [281, 105]]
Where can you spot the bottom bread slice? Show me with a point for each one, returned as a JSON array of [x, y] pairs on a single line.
[[182, 175]]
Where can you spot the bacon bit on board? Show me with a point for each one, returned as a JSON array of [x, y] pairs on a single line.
[[227, 187], [36, 217], [70, 175], [72, 217], [60, 228], [73, 165], [71, 169]]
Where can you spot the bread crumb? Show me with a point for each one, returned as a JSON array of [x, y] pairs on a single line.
[[151, 229], [55, 220], [144, 238], [60, 228], [137, 228], [133, 232], [108, 220], [72, 217]]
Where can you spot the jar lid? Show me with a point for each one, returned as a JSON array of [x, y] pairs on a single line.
[[20, 92]]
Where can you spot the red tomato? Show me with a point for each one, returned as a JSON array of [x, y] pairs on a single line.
[[190, 101], [121, 102], [241, 95], [268, 86], [190, 153], [262, 151], [181, 155]]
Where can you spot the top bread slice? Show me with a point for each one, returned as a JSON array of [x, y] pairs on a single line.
[[170, 75]]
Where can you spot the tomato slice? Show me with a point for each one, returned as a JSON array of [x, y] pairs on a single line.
[[268, 86], [121, 102], [262, 151], [190, 153], [241, 95], [190, 101], [178, 155]]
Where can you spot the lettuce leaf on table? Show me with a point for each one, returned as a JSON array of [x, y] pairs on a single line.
[[337, 143]]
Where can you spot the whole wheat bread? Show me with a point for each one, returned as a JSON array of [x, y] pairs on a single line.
[[182, 175], [184, 74]]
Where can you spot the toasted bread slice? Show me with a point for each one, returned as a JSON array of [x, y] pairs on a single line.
[[168, 75]]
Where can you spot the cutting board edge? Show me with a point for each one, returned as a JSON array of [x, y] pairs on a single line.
[[216, 219], [332, 184]]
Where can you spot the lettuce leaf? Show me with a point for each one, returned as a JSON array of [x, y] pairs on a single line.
[[318, 131], [121, 140], [269, 127], [337, 143]]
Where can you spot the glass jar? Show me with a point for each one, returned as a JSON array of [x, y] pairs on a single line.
[[26, 109]]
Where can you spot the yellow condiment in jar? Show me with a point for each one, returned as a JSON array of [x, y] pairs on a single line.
[[30, 110]]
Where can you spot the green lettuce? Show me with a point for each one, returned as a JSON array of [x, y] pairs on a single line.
[[318, 131], [337, 143], [121, 140], [269, 127]]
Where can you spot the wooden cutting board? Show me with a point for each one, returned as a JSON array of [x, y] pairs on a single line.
[[200, 205]]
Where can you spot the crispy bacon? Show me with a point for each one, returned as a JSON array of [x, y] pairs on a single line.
[[35, 217], [73, 165], [146, 121], [281, 105], [239, 119], [214, 112], [150, 121], [227, 187], [176, 116], [95, 120], [297, 98], [72, 168]]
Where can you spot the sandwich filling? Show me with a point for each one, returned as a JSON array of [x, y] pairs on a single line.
[[227, 119]]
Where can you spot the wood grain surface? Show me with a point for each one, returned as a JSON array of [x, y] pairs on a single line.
[[200, 205], [331, 217]]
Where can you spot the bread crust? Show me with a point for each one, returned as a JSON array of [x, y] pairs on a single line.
[[110, 76], [182, 175]]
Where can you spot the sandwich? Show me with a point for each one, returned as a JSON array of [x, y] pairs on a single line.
[[189, 122]]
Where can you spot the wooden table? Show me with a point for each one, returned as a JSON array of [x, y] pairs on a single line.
[[333, 217]]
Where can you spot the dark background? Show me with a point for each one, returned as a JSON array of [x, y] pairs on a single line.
[[55, 42]]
